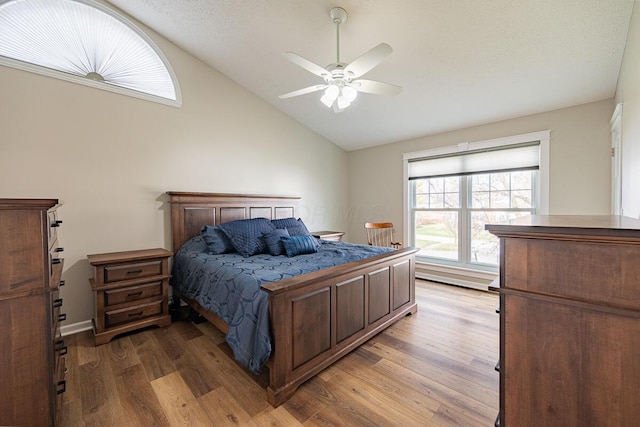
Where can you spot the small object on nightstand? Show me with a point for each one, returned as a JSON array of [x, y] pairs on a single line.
[[335, 236], [130, 290]]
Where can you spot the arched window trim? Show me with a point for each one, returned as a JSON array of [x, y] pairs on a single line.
[[51, 72]]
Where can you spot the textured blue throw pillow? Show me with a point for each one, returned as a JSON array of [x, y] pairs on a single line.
[[299, 245], [216, 241], [295, 227], [246, 235], [272, 240]]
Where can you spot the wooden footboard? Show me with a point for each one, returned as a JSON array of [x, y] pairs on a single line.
[[318, 317]]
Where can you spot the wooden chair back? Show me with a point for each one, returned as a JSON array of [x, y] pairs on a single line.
[[381, 234]]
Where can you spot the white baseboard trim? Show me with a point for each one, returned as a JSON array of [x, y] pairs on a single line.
[[76, 327]]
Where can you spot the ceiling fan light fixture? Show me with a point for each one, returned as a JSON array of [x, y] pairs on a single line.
[[332, 92], [326, 101], [349, 93], [343, 102]]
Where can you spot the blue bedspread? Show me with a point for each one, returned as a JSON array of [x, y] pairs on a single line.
[[229, 286]]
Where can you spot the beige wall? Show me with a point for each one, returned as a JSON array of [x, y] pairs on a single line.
[[628, 93], [579, 164], [110, 158]]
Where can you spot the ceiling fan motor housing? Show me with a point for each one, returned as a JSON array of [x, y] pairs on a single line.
[[338, 15]]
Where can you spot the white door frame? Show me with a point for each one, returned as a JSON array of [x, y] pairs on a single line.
[[616, 161]]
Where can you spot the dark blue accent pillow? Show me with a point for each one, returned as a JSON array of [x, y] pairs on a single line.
[[246, 235], [295, 226], [299, 245], [216, 241], [272, 240]]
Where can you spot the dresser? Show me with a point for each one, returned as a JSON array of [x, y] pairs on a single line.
[[130, 290], [32, 374], [569, 321]]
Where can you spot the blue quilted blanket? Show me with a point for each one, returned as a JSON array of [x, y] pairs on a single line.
[[229, 286]]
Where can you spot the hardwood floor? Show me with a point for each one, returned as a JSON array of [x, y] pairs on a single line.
[[435, 368]]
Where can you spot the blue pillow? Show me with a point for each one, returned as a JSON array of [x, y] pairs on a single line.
[[295, 227], [299, 245], [246, 235], [216, 241], [272, 240]]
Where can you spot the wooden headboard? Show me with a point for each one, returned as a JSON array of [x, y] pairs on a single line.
[[190, 211]]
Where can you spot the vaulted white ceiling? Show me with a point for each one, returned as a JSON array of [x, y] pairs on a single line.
[[460, 62]]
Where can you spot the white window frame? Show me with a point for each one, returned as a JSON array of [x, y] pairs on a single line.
[[542, 183]]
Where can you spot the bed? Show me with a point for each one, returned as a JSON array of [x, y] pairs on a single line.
[[314, 318]]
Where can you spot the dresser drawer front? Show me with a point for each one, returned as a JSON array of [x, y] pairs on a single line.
[[132, 293], [576, 270], [133, 314], [119, 272]]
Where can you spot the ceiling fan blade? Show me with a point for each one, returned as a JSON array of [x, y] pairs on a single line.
[[303, 91], [367, 61], [306, 64], [371, 86]]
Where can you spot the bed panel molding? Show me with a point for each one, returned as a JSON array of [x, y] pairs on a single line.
[[350, 307], [191, 210], [401, 290]]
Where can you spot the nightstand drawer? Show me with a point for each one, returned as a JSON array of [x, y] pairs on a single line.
[[132, 314], [334, 236], [116, 273], [130, 290], [132, 293]]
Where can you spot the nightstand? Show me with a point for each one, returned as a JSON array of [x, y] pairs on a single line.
[[335, 236], [130, 291]]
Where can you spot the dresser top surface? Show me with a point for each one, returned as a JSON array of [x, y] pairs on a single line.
[[126, 256], [570, 224], [28, 203]]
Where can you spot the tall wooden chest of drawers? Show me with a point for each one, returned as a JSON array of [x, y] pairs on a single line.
[[31, 349], [569, 321], [131, 291]]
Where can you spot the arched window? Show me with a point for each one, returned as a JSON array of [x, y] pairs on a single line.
[[85, 42]]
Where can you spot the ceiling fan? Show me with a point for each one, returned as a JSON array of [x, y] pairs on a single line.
[[342, 81]]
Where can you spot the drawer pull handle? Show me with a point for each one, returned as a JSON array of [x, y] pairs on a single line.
[[61, 282], [55, 260], [134, 272], [57, 302], [61, 347], [134, 294], [59, 250], [62, 384], [139, 313], [62, 317], [56, 223]]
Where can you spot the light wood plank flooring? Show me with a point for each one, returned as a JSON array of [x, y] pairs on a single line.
[[435, 368]]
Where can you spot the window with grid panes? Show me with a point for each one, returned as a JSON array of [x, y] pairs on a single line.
[[448, 212]]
